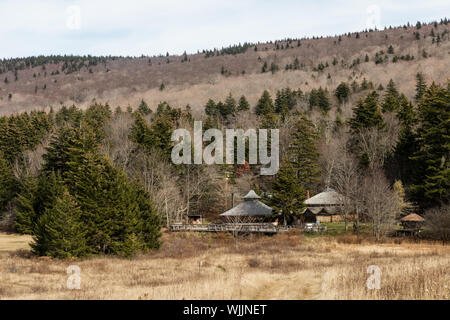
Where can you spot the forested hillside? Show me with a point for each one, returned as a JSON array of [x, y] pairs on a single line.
[[306, 63]]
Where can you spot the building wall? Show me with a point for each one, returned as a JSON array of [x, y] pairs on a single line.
[[334, 218]]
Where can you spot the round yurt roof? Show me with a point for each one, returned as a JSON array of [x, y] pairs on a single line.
[[249, 208], [413, 217], [327, 197]]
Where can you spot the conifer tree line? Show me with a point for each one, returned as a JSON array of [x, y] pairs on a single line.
[[98, 181]]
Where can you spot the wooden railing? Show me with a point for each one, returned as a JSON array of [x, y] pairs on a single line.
[[230, 227]]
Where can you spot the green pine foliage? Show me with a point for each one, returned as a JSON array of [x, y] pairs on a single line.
[[25, 203], [211, 108], [432, 179], [285, 101], [243, 104], [23, 132], [403, 169], [319, 98], [421, 86], [227, 109], [391, 101], [36, 196], [367, 113], [288, 194], [8, 183], [303, 153], [144, 108], [265, 104], [60, 233], [342, 92]]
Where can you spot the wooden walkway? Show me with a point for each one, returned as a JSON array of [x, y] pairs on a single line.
[[230, 227]]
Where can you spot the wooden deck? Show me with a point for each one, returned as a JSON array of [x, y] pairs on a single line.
[[230, 227]]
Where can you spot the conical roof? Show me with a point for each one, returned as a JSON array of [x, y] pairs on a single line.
[[251, 195], [250, 207], [325, 198]]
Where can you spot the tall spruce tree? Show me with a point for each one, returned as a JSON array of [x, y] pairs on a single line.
[[8, 183], [406, 146], [60, 232], [110, 212], [432, 178], [288, 192], [243, 104], [342, 92], [211, 108], [144, 108], [367, 113], [303, 154], [285, 101], [25, 203], [391, 101], [37, 195], [421, 86], [265, 104]]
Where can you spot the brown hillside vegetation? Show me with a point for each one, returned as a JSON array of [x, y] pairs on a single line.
[[195, 266], [125, 81]]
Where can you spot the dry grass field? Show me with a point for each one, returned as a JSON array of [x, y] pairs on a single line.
[[195, 266]]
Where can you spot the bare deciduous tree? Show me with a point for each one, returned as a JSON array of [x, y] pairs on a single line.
[[381, 204], [437, 222], [346, 180]]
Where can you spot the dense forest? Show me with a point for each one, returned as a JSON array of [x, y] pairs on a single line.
[[101, 181]]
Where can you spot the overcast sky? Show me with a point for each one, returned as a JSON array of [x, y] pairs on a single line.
[[132, 27]]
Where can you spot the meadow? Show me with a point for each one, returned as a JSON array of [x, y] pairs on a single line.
[[208, 266]]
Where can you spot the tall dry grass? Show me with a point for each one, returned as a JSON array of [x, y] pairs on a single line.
[[195, 266]]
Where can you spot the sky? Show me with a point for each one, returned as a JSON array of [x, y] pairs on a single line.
[[136, 27]]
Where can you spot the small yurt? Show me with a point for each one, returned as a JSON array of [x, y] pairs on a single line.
[[412, 221]]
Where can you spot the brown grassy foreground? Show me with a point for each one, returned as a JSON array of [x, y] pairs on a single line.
[[195, 266]]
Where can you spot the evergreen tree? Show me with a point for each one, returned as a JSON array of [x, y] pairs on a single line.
[[60, 149], [432, 178], [110, 212], [285, 101], [144, 108], [243, 104], [25, 202], [303, 154], [421, 86], [37, 195], [148, 227], [8, 183], [288, 193], [367, 113], [229, 107], [319, 98], [265, 104], [211, 108], [406, 146], [59, 232], [342, 92], [264, 68], [391, 101]]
